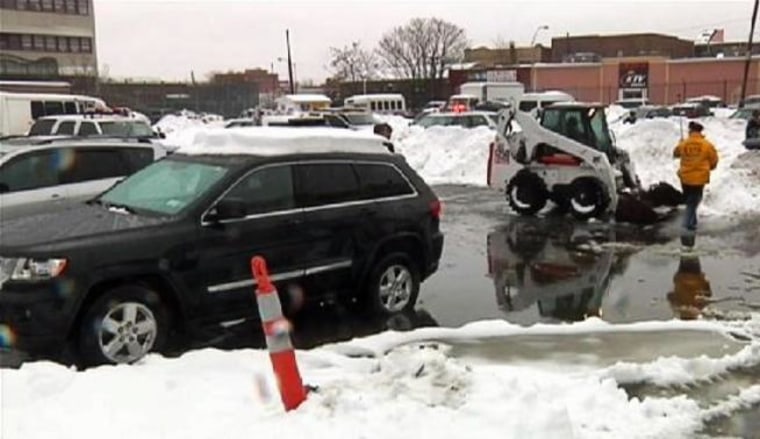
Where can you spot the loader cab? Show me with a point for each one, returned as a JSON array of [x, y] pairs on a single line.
[[584, 123]]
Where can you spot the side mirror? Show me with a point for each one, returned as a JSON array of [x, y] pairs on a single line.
[[227, 209], [4, 188]]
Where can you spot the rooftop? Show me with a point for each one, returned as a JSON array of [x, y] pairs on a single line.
[[266, 141]]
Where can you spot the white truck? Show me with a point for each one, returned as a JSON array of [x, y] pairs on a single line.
[[493, 91]]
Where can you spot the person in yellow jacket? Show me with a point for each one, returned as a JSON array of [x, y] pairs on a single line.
[[698, 158], [691, 290]]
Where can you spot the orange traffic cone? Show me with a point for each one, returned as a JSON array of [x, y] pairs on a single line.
[[277, 333]]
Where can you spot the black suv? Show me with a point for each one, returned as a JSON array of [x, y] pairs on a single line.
[[168, 249]]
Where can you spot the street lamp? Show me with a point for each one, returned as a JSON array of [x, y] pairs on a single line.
[[535, 34]]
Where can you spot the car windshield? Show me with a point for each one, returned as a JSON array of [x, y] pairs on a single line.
[[166, 187], [360, 119], [126, 129], [42, 127]]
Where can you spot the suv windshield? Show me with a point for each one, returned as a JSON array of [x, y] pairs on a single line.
[[166, 187], [42, 127], [126, 129]]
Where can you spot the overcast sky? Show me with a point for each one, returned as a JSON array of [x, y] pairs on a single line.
[[168, 39]]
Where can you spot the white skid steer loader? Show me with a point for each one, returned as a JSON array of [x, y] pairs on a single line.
[[567, 156]]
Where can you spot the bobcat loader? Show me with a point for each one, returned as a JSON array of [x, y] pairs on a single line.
[[567, 155]]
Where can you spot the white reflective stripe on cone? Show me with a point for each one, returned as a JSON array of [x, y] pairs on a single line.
[[279, 343], [269, 306]]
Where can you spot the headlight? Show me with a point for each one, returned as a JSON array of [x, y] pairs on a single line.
[[30, 269]]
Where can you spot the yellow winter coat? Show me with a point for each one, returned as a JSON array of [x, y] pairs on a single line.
[[698, 158]]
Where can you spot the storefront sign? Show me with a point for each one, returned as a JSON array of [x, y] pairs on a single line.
[[634, 75]]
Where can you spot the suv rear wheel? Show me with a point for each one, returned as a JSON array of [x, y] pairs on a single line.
[[122, 326], [394, 284]]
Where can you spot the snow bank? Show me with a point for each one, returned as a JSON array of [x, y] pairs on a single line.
[[182, 127], [446, 154], [419, 389], [735, 185]]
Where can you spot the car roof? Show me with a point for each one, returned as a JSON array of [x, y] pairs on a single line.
[[10, 148], [575, 104], [270, 141], [461, 113], [95, 118]]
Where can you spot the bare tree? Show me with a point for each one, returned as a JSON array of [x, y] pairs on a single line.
[[423, 48], [353, 62]]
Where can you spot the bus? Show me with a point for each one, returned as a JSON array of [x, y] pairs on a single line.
[[377, 103], [18, 111]]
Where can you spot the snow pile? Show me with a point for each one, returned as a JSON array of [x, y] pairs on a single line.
[[181, 127], [735, 185], [418, 387], [446, 154]]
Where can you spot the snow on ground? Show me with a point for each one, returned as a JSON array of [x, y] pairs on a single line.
[[735, 185], [405, 383], [181, 128]]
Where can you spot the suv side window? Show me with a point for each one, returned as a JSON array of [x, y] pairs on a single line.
[[319, 184], [137, 158], [266, 190], [38, 109], [34, 170], [94, 164], [88, 129], [66, 127], [381, 181]]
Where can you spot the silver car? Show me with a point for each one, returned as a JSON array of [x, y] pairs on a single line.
[[46, 177]]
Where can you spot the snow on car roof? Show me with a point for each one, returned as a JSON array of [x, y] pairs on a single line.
[[266, 141]]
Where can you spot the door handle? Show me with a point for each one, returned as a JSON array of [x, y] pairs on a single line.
[[369, 212], [55, 196], [294, 222]]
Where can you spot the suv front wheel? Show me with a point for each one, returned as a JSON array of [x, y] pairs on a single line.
[[122, 326], [394, 284]]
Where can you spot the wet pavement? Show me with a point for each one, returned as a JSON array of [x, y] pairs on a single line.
[[553, 269]]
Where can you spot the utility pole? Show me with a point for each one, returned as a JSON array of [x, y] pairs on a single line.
[[290, 64], [749, 54]]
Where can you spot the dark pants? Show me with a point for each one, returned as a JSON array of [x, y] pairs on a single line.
[[692, 196]]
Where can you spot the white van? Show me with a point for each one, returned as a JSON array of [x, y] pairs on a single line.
[[19, 110], [377, 103], [537, 101]]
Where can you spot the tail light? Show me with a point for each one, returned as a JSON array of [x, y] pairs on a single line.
[[436, 209]]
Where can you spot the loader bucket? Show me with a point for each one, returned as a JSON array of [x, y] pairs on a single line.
[[640, 209]]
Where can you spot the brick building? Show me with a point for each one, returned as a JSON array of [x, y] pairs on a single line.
[[622, 45], [488, 58]]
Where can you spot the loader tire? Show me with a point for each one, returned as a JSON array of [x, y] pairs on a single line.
[[587, 199], [527, 193]]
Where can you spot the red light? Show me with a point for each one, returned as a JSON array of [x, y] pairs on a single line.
[[436, 209]]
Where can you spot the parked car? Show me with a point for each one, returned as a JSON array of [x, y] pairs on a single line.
[[168, 248], [241, 122], [707, 101], [652, 112], [57, 174], [80, 125], [744, 113], [469, 119], [632, 103], [691, 110]]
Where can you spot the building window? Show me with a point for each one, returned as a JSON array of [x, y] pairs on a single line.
[[39, 42], [83, 7], [74, 44], [50, 44], [26, 42], [86, 45], [59, 6], [71, 6], [63, 44], [47, 5]]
